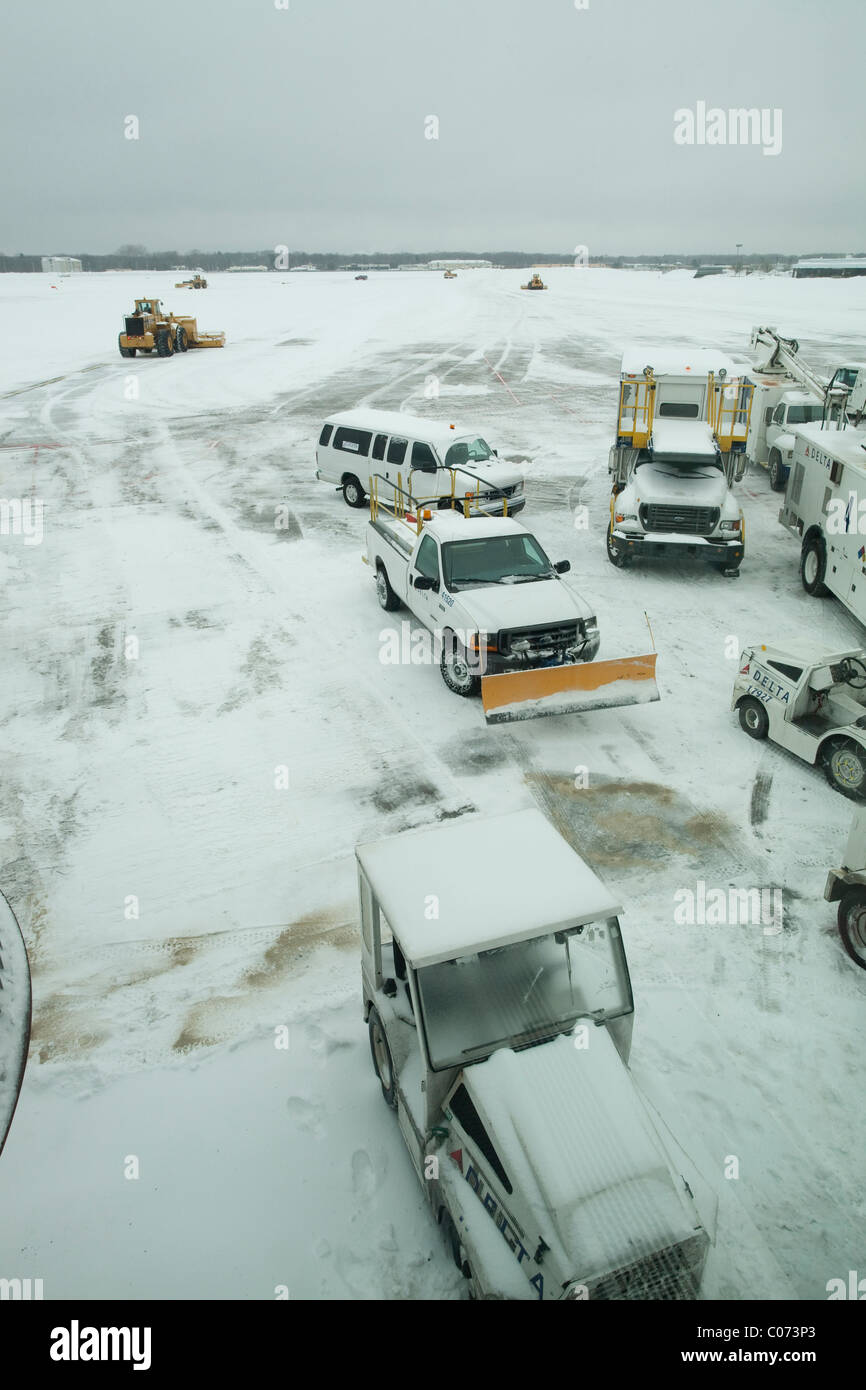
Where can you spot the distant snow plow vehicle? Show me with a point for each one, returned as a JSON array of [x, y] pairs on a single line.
[[150, 329], [810, 701], [15, 1007], [198, 282], [847, 887], [450, 275], [535, 282], [500, 1031], [504, 624]]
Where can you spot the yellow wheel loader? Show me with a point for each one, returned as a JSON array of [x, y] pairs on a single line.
[[198, 282], [535, 283], [149, 328]]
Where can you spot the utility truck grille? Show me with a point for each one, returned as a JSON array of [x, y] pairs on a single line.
[[558, 636], [674, 1273], [690, 521]]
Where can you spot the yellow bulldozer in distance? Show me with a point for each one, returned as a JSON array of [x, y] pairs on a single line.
[[535, 283], [198, 282], [149, 328]]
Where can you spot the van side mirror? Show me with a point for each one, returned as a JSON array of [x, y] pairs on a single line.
[[563, 567]]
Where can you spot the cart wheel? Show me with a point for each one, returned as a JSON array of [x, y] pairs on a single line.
[[845, 766], [455, 1245], [851, 919], [753, 718], [382, 1058]]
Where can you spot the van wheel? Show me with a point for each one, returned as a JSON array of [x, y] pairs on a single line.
[[845, 766], [777, 482], [458, 1254], [617, 557], [382, 1058], [455, 668], [353, 493], [385, 594], [813, 566], [753, 718], [851, 919]]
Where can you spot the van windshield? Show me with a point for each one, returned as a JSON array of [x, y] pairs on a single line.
[[513, 995], [494, 560], [464, 452]]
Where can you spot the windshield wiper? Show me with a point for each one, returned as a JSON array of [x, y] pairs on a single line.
[[521, 578]]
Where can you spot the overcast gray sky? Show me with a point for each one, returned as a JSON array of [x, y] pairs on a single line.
[[305, 126]]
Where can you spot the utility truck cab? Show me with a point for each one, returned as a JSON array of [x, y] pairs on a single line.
[[499, 1009], [680, 444]]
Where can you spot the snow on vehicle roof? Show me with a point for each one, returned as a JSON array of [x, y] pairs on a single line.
[[801, 653], [496, 879], [395, 422], [691, 437], [849, 445], [677, 361], [453, 526]]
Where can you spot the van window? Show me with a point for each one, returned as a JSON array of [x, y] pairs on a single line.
[[466, 451], [355, 441], [427, 560], [680, 410], [379, 446], [327, 431], [423, 457], [397, 450]]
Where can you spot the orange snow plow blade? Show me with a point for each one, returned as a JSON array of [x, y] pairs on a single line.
[[588, 685]]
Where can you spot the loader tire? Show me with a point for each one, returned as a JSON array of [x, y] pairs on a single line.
[[777, 482], [456, 668], [851, 919], [353, 492], [616, 556], [753, 718], [385, 594], [382, 1062], [125, 351], [163, 343], [845, 767], [181, 342], [813, 566]]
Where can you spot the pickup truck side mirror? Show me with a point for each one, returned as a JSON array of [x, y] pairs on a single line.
[[563, 567], [424, 581]]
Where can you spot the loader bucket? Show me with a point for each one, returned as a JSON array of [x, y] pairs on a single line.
[[587, 685]]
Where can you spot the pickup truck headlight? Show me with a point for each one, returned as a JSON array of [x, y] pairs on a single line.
[[730, 526], [624, 516]]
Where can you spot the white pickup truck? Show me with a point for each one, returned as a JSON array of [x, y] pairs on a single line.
[[486, 589]]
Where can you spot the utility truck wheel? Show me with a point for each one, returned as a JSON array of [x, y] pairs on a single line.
[[181, 342], [813, 566], [777, 482], [455, 667], [852, 924], [163, 343], [353, 492], [754, 718], [845, 766], [382, 1058], [385, 594], [616, 556], [125, 351]]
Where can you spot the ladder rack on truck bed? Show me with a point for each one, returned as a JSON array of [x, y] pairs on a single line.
[[402, 505], [727, 410]]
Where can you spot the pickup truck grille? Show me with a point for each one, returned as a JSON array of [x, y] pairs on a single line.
[[674, 1273], [556, 635], [690, 521]]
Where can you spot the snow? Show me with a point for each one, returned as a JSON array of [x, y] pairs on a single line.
[[155, 777], [618, 692], [667, 361], [449, 869], [849, 444], [693, 438], [14, 1013]]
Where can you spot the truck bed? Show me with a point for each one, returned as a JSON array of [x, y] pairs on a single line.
[[396, 533]]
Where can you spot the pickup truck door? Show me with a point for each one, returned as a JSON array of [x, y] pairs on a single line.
[[426, 603]]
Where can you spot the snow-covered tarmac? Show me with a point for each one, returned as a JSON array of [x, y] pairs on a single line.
[[178, 812]]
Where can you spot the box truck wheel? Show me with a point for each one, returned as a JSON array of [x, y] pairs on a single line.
[[385, 594], [382, 1058], [813, 566], [753, 718], [616, 556], [851, 919], [353, 493], [456, 668], [777, 482], [845, 766]]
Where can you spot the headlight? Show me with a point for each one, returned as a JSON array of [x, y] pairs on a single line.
[[730, 526], [624, 516]]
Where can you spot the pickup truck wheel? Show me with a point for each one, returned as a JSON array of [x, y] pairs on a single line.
[[616, 556], [754, 718], [456, 670], [852, 924], [382, 1058], [845, 766], [353, 493], [777, 482], [813, 566], [385, 594]]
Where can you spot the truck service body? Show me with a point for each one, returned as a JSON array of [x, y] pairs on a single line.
[[410, 452], [681, 435], [531, 1141]]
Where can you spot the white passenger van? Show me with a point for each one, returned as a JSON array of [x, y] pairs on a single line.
[[430, 459]]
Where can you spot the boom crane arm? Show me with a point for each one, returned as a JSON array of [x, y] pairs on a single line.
[[783, 355]]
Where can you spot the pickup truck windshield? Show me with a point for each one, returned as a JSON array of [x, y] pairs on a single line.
[[517, 994], [494, 560], [467, 451]]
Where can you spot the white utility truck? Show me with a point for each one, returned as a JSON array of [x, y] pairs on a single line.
[[682, 424], [825, 508], [425, 453], [503, 620], [810, 701], [499, 1009], [788, 394], [847, 887]]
